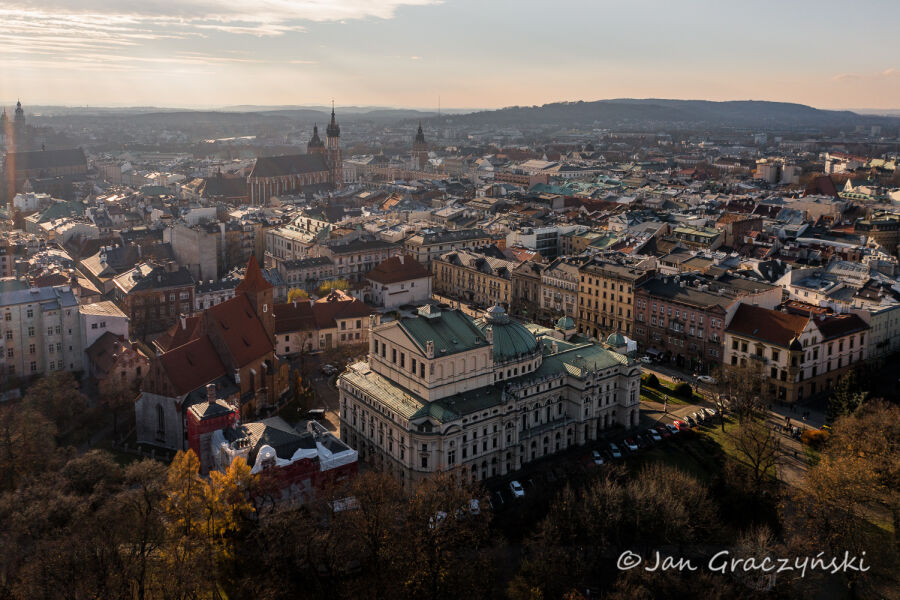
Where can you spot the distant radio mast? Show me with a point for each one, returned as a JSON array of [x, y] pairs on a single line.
[[439, 106]]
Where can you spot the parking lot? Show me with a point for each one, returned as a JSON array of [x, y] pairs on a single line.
[[541, 479]]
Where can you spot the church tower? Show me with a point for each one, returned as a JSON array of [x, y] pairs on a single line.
[[420, 150], [333, 151], [315, 144], [261, 296], [19, 123]]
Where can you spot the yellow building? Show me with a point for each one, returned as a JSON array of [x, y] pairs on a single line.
[[473, 277], [606, 297]]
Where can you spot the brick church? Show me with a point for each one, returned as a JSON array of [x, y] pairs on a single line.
[[229, 347], [320, 169]]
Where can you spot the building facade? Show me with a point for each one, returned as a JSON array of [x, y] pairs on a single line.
[[441, 391], [606, 297], [41, 331], [799, 355], [477, 278]]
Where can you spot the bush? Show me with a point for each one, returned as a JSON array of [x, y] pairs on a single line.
[[650, 380], [815, 438], [684, 390]]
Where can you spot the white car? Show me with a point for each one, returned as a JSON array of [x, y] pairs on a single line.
[[517, 490], [646, 360], [614, 450], [654, 435], [672, 429], [707, 379], [598, 460], [711, 412], [474, 506], [630, 444]]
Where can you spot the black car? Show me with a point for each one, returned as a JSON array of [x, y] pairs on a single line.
[[690, 421]]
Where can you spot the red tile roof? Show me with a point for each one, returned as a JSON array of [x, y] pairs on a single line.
[[835, 326], [396, 269], [767, 325], [253, 280], [235, 324], [192, 365], [178, 334], [334, 306], [294, 316]]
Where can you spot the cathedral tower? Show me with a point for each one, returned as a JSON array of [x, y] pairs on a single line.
[[333, 151], [315, 144], [420, 150]]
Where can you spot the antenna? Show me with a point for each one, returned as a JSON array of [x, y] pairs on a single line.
[[439, 106]]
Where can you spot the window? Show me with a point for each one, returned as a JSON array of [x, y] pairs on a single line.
[[33, 367], [9, 334], [160, 422], [29, 313], [31, 332], [774, 354]]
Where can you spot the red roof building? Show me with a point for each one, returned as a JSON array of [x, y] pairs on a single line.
[[231, 344]]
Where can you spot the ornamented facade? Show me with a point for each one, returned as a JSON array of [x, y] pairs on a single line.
[[441, 391]]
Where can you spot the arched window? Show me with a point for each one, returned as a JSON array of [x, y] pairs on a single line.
[[160, 422]]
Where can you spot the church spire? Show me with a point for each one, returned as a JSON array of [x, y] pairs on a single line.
[[333, 130]]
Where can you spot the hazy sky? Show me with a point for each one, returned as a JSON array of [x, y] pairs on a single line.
[[471, 53]]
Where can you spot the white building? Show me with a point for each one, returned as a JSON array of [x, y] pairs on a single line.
[[441, 391], [399, 280], [41, 331]]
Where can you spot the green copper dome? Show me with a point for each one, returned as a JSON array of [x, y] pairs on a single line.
[[616, 339], [511, 339], [565, 323]]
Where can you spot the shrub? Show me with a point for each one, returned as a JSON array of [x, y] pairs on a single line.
[[650, 380], [684, 390], [815, 438]]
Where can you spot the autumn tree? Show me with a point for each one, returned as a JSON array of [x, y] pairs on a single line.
[[854, 485], [847, 395], [331, 285], [297, 294]]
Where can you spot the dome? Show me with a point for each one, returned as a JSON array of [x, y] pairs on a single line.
[[616, 339], [565, 323], [510, 338]]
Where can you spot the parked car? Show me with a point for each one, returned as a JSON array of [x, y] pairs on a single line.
[[328, 369], [664, 431], [517, 490], [672, 428], [614, 450], [646, 360], [474, 506], [654, 435], [707, 379], [598, 460], [710, 412], [680, 425], [631, 444], [690, 420]]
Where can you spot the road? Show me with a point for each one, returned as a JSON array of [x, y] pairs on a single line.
[[793, 465]]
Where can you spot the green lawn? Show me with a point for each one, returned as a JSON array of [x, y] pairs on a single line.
[[657, 395]]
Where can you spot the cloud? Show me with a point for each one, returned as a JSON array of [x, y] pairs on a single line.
[[879, 76], [99, 32]]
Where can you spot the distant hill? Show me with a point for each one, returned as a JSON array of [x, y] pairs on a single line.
[[656, 113]]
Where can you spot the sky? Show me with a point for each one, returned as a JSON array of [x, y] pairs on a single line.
[[467, 53]]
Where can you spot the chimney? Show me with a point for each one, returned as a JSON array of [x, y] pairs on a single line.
[[183, 322], [401, 259], [211, 393]]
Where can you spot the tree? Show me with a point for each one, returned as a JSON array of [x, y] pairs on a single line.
[[854, 483], [27, 444], [757, 446], [297, 294], [740, 388], [847, 395], [331, 285], [56, 396]]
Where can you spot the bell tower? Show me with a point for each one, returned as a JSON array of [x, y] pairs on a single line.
[[315, 144], [420, 150], [333, 151]]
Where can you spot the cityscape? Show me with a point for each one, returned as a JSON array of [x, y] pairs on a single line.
[[605, 335]]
